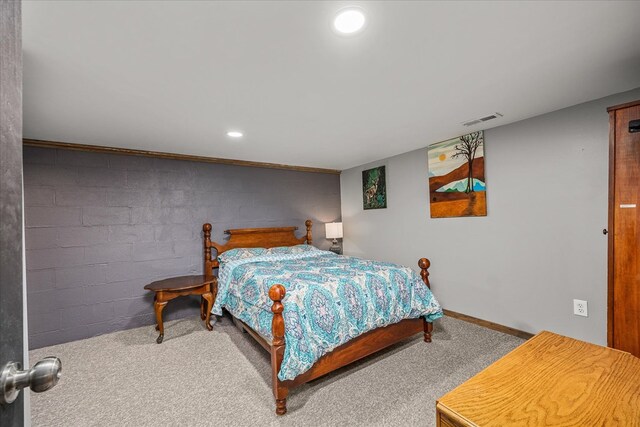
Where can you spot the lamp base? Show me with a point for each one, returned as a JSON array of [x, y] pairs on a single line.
[[335, 247]]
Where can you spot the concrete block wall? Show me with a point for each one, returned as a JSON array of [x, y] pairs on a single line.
[[101, 226]]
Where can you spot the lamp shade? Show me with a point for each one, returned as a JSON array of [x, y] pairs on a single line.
[[333, 230]]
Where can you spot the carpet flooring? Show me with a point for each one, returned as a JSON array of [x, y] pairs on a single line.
[[223, 377]]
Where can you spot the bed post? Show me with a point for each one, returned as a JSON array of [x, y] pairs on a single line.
[[424, 264], [208, 267], [277, 293], [309, 224]]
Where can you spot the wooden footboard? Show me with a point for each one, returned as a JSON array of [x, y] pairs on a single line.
[[356, 349], [360, 347]]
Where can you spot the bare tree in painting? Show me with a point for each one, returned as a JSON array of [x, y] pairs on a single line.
[[467, 148]]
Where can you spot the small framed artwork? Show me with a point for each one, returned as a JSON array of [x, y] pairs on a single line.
[[456, 177], [374, 188]]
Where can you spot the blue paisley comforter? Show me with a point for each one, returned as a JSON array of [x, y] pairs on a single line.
[[329, 300]]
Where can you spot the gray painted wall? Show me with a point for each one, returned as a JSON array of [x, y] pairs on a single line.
[[100, 226], [541, 244]]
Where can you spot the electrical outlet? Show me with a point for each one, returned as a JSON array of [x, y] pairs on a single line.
[[580, 308]]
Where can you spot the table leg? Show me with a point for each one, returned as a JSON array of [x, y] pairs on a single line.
[[428, 329], [159, 306], [209, 298]]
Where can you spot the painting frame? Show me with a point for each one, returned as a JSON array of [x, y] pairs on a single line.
[[457, 184], [374, 188]]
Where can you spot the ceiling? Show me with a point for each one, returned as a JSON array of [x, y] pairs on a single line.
[[176, 76]]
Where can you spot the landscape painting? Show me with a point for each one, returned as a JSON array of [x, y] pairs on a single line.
[[456, 177], [374, 188]]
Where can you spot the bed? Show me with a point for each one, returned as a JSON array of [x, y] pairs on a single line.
[[312, 310]]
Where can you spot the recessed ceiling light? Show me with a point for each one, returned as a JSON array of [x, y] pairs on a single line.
[[234, 134], [349, 20]]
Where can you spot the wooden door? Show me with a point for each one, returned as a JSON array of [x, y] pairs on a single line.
[[624, 227]]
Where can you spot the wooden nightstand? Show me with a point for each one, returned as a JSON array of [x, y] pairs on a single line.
[[168, 289]]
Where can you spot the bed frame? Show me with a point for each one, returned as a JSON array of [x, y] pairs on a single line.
[[357, 348]]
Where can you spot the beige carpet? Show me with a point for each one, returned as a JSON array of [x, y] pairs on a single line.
[[201, 378]]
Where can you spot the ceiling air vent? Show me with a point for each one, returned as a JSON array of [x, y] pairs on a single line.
[[482, 119]]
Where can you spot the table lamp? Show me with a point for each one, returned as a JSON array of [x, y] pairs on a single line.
[[334, 231]]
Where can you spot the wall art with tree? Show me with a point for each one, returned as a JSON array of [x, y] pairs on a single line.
[[456, 177]]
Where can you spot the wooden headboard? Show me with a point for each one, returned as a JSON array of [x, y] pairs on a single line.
[[251, 238]]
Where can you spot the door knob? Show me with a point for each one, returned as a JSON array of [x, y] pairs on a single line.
[[43, 376]]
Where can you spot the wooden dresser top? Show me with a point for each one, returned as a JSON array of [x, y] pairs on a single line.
[[551, 380]]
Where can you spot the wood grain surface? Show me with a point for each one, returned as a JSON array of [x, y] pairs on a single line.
[[359, 347], [487, 324], [174, 156], [268, 237], [174, 287], [624, 253], [550, 380], [180, 283]]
